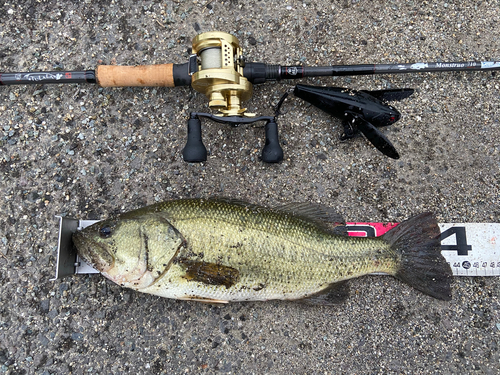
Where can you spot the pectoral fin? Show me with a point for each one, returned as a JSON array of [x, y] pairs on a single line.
[[209, 273]]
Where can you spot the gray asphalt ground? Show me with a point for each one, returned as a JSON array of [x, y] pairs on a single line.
[[87, 152]]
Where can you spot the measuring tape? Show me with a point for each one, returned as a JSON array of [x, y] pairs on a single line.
[[471, 249]]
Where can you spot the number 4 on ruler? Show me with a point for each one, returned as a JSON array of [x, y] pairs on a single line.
[[461, 246]]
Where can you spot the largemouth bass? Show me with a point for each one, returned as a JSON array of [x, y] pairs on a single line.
[[216, 250]]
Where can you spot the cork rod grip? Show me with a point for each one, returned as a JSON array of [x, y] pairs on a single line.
[[141, 75]]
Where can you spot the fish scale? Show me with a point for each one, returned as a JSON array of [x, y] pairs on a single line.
[[273, 248], [221, 250], [289, 268]]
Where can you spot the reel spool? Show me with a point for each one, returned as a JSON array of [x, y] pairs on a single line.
[[220, 73]]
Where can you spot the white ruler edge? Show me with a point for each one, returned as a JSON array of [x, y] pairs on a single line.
[[472, 249]]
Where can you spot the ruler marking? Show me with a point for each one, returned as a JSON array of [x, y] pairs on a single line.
[[471, 249]]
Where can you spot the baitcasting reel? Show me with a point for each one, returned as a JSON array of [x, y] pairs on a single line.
[[219, 73], [216, 69]]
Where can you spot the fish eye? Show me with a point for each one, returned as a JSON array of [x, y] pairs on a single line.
[[105, 232]]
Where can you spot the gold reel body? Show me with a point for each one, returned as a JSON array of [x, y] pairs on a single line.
[[220, 73]]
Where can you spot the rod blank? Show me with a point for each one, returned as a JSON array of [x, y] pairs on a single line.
[[292, 72], [33, 78]]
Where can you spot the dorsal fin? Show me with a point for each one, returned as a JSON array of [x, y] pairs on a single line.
[[236, 202], [312, 211], [323, 216]]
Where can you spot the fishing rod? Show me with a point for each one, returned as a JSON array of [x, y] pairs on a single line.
[[173, 75], [218, 69]]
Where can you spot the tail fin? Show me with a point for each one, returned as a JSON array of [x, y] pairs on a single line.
[[417, 244]]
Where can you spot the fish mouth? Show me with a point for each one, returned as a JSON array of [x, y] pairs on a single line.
[[92, 252]]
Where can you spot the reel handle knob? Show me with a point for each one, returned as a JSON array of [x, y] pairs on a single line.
[[272, 151], [194, 151]]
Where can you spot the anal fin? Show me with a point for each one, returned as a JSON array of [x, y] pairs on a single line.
[[334, 294], [202, 299]]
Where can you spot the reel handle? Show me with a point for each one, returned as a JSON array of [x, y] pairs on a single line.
[[272, 151], [194, 151]]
